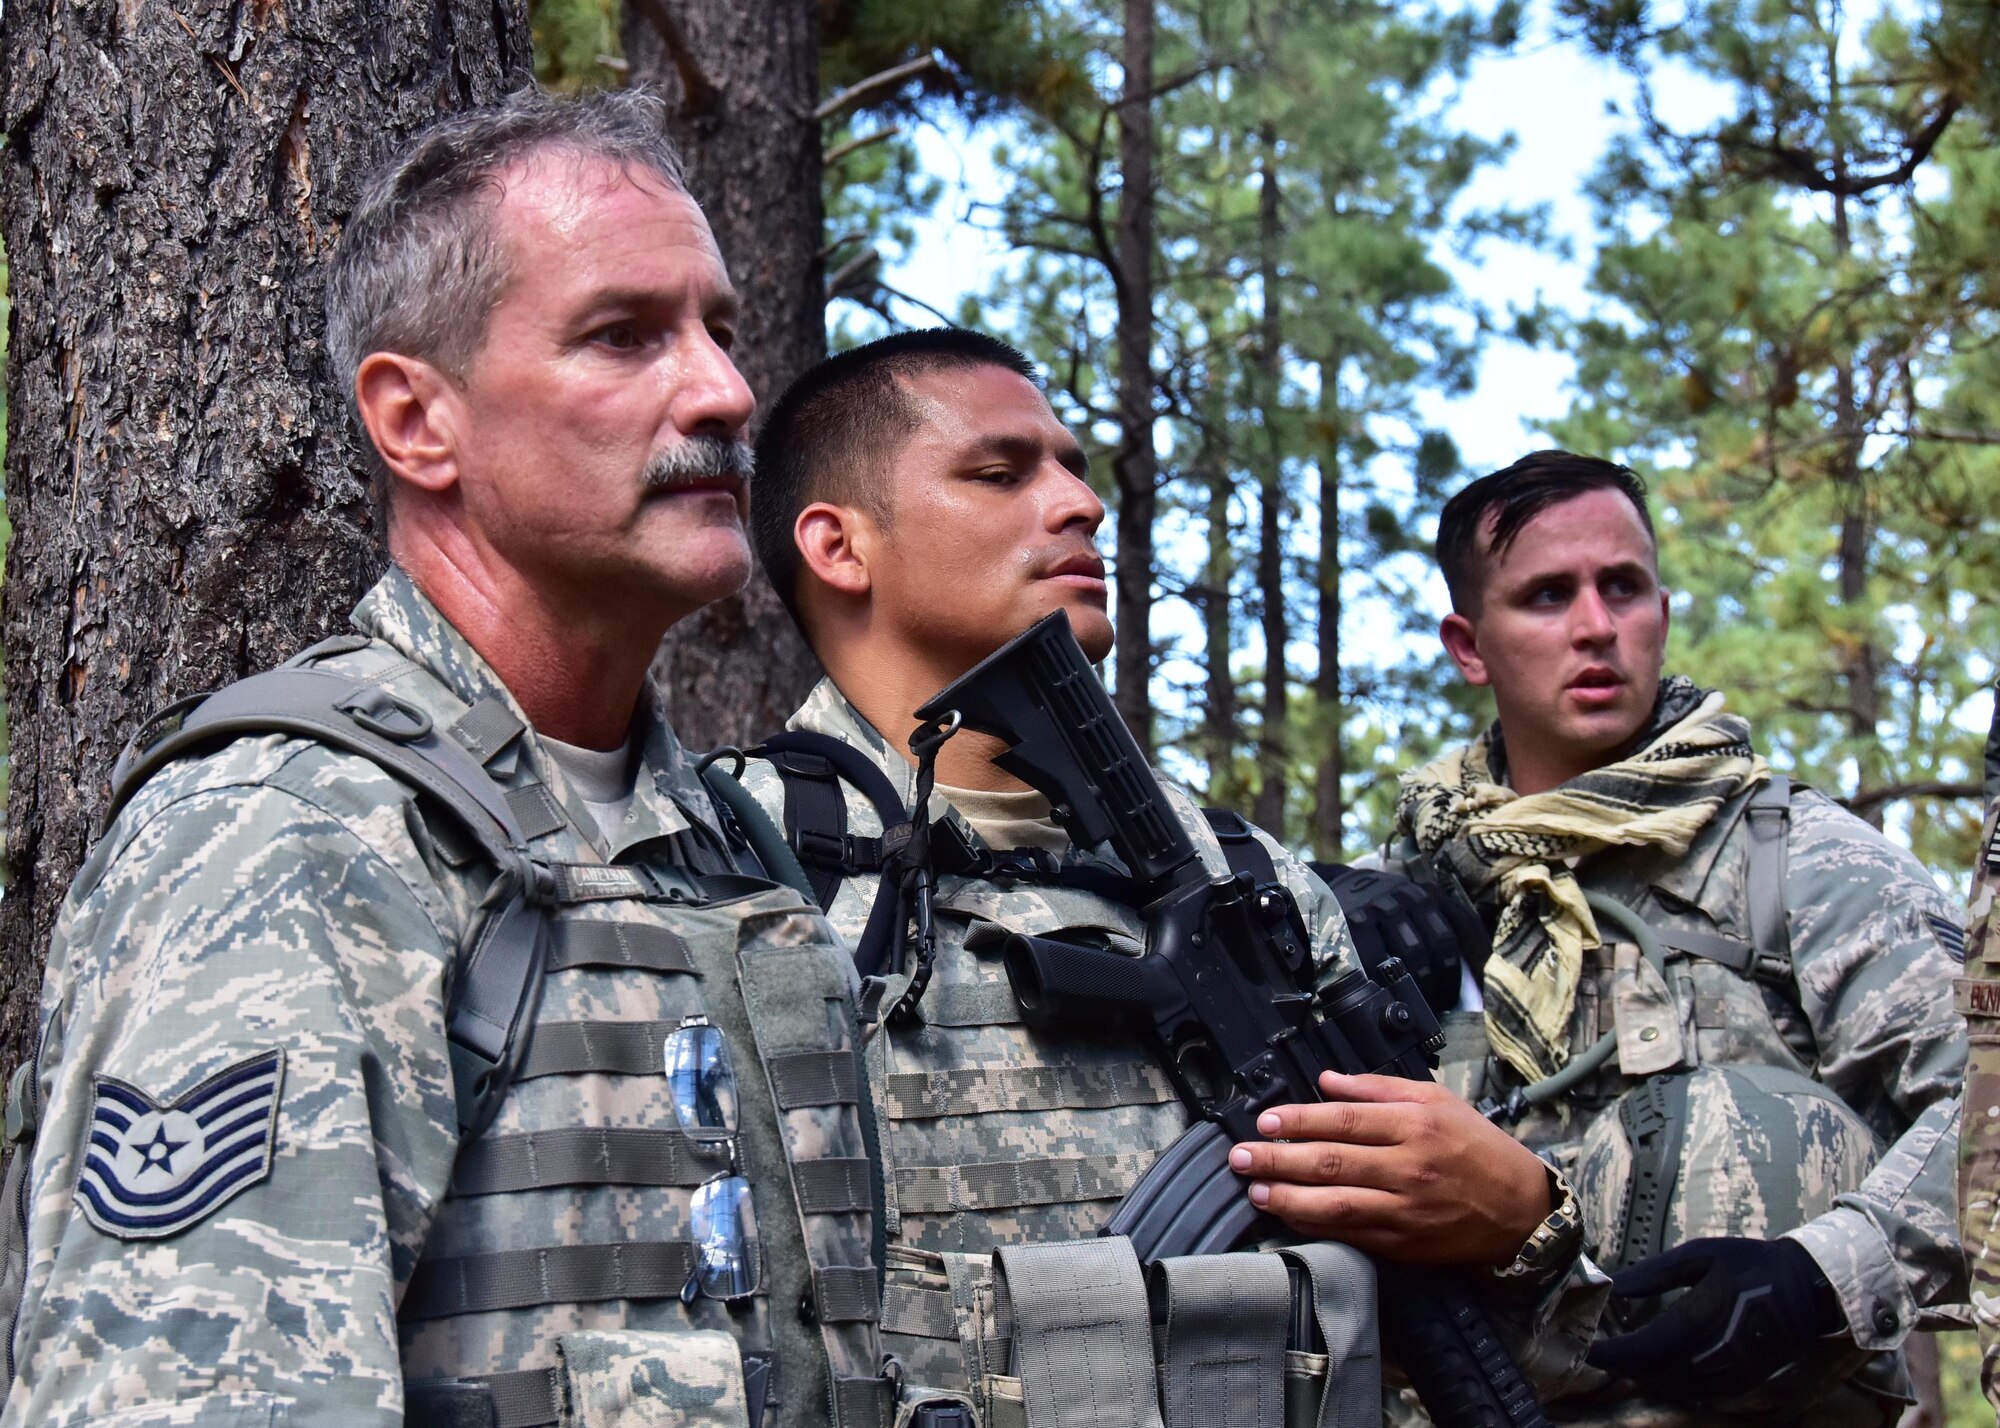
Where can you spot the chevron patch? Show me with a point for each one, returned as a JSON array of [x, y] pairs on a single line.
[[1949, 934], [152, 1169]]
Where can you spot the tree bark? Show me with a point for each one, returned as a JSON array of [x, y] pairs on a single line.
[[1272, 739], [743, 78], [1218, 720], [1136, 466], [1862, 665], [185, 492], [1329, 806]]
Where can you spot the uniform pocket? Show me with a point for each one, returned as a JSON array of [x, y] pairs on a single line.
[[637, 1379]]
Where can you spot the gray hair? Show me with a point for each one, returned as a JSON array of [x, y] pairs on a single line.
[[418, 267]]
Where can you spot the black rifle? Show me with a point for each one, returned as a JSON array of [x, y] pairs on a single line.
[[1227, 990]]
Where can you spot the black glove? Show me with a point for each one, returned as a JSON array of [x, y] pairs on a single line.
[[1389, 915], [1752, 1308]]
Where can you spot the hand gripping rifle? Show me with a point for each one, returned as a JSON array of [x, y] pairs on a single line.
[[1226, 988]]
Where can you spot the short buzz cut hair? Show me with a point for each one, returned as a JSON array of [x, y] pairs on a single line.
[[1515, 495], [829, 437], [419, 265]]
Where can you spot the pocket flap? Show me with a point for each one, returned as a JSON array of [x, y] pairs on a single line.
[[638, 1379]]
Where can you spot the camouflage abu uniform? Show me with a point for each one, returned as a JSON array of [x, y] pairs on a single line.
[[281, 900], [993, 1134], [1978, 999], [1861, 1010]]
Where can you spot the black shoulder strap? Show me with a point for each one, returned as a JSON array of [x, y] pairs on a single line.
[[1240, 846], [813, 767], [490, 1007], [1769, 813]]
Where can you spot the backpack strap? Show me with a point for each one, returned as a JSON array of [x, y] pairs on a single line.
[[759, 832], [491, 1004], [1240, 847], [1769, 814], [1767, 956], [813, 767]]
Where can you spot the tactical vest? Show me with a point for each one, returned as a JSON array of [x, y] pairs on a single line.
[[1723, 999], [1002, 1146], [560, 1263]]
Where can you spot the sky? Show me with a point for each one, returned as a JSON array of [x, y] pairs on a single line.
[[1558, 139]]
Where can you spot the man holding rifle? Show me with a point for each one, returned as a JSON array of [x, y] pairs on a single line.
[[919, 505], [1722, 1001]]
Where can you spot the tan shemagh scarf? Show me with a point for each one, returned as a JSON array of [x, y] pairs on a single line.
[[1693, 759]]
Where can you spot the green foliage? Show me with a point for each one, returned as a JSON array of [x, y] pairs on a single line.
[[1798, 348], [576, 44], [1344, 105]]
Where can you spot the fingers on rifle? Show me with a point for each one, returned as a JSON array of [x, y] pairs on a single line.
[[1356, 1122], [1317, 1163], [1343, 1213], [1378, 1088]]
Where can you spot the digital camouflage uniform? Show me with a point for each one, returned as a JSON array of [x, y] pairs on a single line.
[[1978, 999], [281, 898], [993, 1134], [1861, 1011]]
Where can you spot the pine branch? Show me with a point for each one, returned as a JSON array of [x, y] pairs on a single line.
[[866, 90]]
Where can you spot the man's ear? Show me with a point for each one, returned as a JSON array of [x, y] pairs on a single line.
[[834, 543], [412, 415], [1461, 642]]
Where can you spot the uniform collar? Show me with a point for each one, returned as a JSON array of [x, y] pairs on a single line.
[[667, 795]]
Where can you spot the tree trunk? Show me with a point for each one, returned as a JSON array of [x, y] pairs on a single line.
[[1862, 666], [184, 489], [1271, 763], [1218, 722], [1136, 466], [1328, 803], [743, 77]]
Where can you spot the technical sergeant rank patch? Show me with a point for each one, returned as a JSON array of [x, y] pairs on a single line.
[[152, 1170]]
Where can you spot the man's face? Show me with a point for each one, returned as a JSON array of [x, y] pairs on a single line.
[[1570, 634], [599, 423], [990, 521]]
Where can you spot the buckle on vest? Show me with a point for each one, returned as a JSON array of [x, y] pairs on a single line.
[[1770, 967], [849, 852]]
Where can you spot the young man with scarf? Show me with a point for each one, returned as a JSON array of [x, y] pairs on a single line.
[[1774, 1118]]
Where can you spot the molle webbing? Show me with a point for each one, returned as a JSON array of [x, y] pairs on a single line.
[[583, 1155], [610, 1048], [526, 1398], [536, 809], [485, 729], [634, 946], [920, 1313], [1009, 1184], [796, 1012], [1083, 1336], [816, 1078], [971, 1004], [922, 1095], [553, 1274], [1222, 1355]]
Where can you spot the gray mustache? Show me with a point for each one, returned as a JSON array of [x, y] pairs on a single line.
[[699, 458]]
